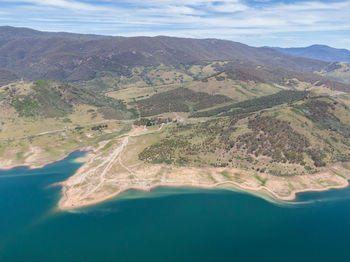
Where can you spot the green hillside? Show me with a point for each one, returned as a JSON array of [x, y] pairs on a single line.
[[49, 99], [296, 138]]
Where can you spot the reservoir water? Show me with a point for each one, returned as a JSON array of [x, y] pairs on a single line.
[[183, 224]]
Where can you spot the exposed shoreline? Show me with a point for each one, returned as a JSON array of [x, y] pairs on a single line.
[[35, 166], [107, 174], [65, 187], [290, 198]]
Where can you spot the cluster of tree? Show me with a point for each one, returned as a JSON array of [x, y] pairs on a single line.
[[99, 127], [217, 142], [52, 99], [256, 104], [320, 112], [269, 137], [273, 138], [186, 142], [317, 110], [153, 121], [178, 100], [317, 156], [25, 106], [166, 151]]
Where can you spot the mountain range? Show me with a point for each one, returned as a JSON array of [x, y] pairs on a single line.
[[320, 52], [33, 55]]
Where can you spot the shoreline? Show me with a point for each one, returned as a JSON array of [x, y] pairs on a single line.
[[32, 166], [85, 187], [61, 206], [65, 187], [282, 189], [290, 198]]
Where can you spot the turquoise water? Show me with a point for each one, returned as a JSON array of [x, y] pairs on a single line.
[[182, 224]]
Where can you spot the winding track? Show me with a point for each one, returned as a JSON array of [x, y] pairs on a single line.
[[109, 161]]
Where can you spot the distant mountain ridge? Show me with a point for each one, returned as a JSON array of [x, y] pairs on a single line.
[[22, 32], [320, 52], [33, 55]]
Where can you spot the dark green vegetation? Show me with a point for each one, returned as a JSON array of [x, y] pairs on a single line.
[[321, 113], [253, 105], [273, 138], [215, 141], [261, 141], [25, 106], [178, 100], [99, 127], [52, 99], [153, 121], [186, 143]]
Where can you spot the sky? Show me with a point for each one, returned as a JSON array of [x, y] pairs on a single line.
[[283, 23]]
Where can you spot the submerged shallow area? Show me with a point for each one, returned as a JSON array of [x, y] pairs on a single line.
[[167, 224]]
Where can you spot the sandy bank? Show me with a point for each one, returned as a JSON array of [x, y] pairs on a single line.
[[80, 190], [32, 162], [66, 203]]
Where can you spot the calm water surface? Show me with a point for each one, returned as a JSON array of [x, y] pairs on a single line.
[[182, 224]]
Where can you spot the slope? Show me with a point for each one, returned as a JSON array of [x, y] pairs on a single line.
[[320, 52], [35, 55]]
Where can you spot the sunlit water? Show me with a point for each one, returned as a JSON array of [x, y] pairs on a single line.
[[183, 224]]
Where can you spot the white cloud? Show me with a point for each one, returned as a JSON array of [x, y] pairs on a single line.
[[313, 6], [171, 10], [65, 4], [195, 18], [228, 7]]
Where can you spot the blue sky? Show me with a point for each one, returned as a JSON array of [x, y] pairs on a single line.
[[255, 22]]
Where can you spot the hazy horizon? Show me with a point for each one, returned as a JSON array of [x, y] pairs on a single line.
[[47, 31], [282, 23]]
